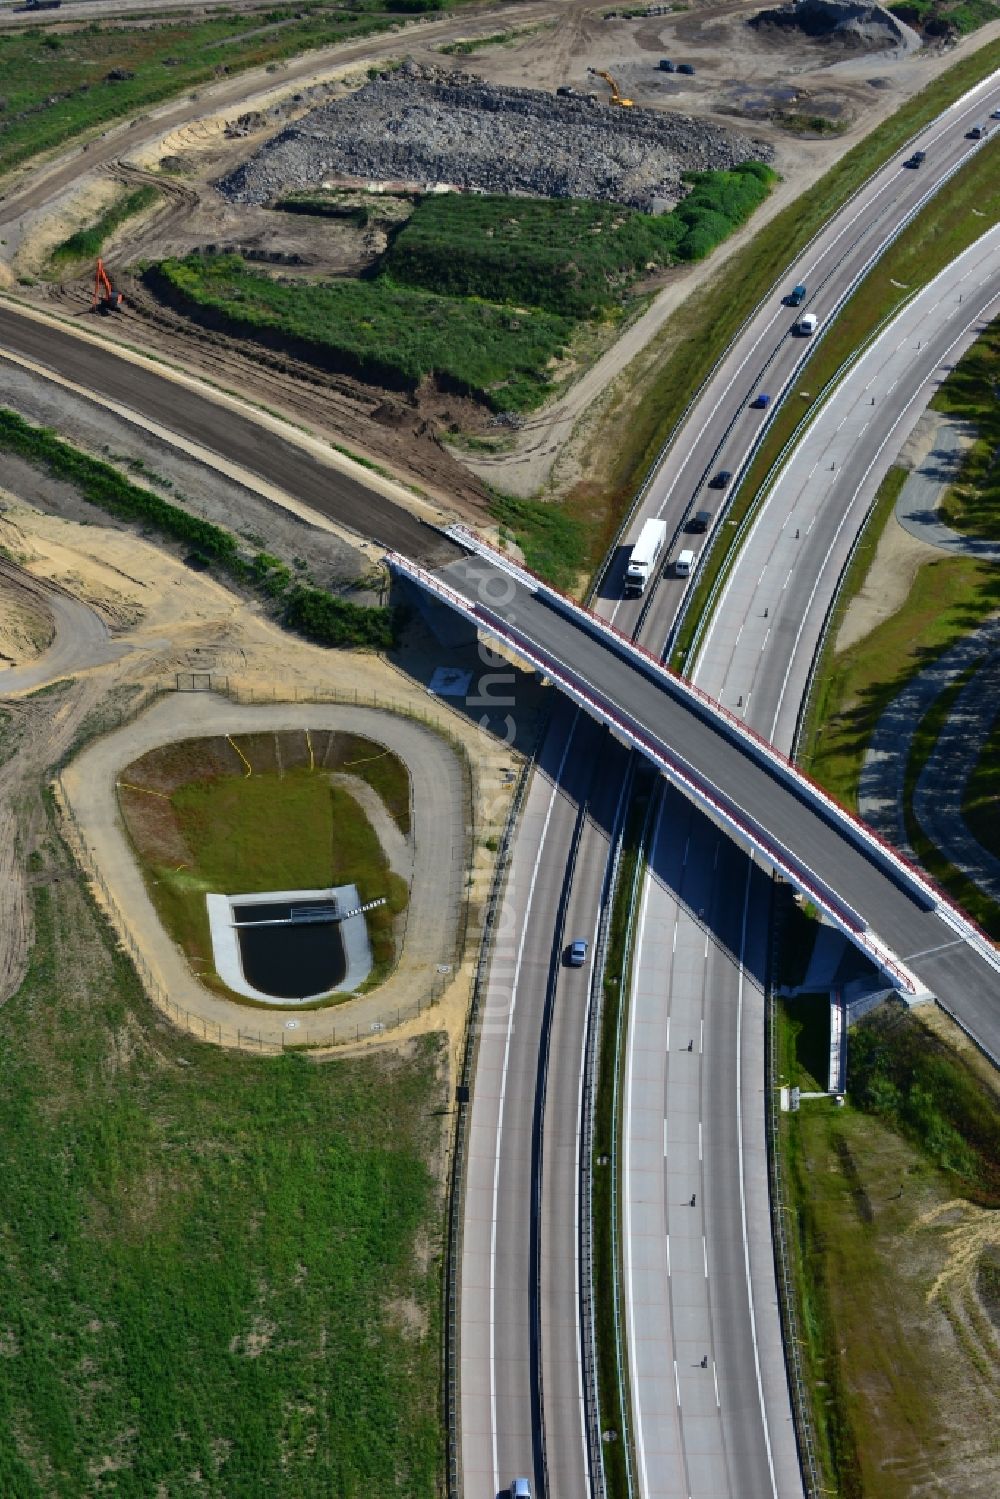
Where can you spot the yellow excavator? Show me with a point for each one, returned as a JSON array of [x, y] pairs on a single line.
[[616, 94]]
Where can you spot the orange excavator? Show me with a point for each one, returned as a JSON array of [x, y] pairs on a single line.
[[106, 299], [617, 97]]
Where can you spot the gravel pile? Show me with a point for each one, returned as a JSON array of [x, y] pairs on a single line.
[[410, 126], [850, 23]]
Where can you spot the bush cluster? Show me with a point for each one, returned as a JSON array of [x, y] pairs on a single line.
[[321, 616], [568, 256]]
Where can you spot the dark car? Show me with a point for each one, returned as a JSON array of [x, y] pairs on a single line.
[[796, 296], [722, 479], [700, 521], [916, 160], [761, 401], [976, 133], [576, 954], [686, 68], [565, 92], [666, 66]]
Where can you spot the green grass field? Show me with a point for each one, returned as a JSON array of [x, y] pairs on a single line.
[[221, 1274], [238, 834]]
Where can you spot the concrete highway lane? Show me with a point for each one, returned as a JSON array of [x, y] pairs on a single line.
[[194, 414], [702, 1347]]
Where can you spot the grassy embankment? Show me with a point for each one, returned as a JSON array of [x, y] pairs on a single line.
[[646, 405], [222, 816], [893, 1205], [221, 1274], [87, 243], [320, 616], [483, 295], [57, 85], [953, 220]]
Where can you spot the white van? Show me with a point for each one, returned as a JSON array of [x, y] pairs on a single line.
[[807, 324], [683, 563]]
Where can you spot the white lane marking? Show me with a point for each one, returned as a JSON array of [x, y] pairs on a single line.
[[677, 1383], [640, 1445], [743, 1195], [699, 1139], [668, 1032], [664, 1139], [701, 1038], [503, 1095], [704, 1255], [668, 1255], [673, 946], [715, 1376]]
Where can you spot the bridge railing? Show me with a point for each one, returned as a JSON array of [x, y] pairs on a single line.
[[918, 881]]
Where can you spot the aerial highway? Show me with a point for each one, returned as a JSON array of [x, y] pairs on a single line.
[[507, 1374], [862, 229]]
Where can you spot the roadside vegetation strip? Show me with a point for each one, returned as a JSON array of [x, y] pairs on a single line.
[[241, 1255], [312, 612], [684, 353], [890, 1199], [953, 220], [972, 504], [612, 1361], [60, 84], [570, 256], [87, 244]]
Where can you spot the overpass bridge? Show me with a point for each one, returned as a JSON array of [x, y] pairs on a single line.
[[890, 910]]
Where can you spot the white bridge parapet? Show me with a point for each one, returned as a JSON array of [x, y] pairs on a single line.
[[715, 801]]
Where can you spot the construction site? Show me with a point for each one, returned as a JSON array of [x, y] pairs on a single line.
[[569, 103]]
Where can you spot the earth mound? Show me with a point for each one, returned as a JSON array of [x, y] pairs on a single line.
[[853, 26]]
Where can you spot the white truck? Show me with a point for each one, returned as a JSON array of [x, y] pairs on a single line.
[[642, 560]]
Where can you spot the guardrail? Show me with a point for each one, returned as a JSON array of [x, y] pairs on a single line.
[[713, 711]]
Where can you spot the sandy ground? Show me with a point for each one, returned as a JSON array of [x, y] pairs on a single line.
[[161, 620]]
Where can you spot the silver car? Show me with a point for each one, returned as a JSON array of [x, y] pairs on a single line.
[[520, 1489]]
